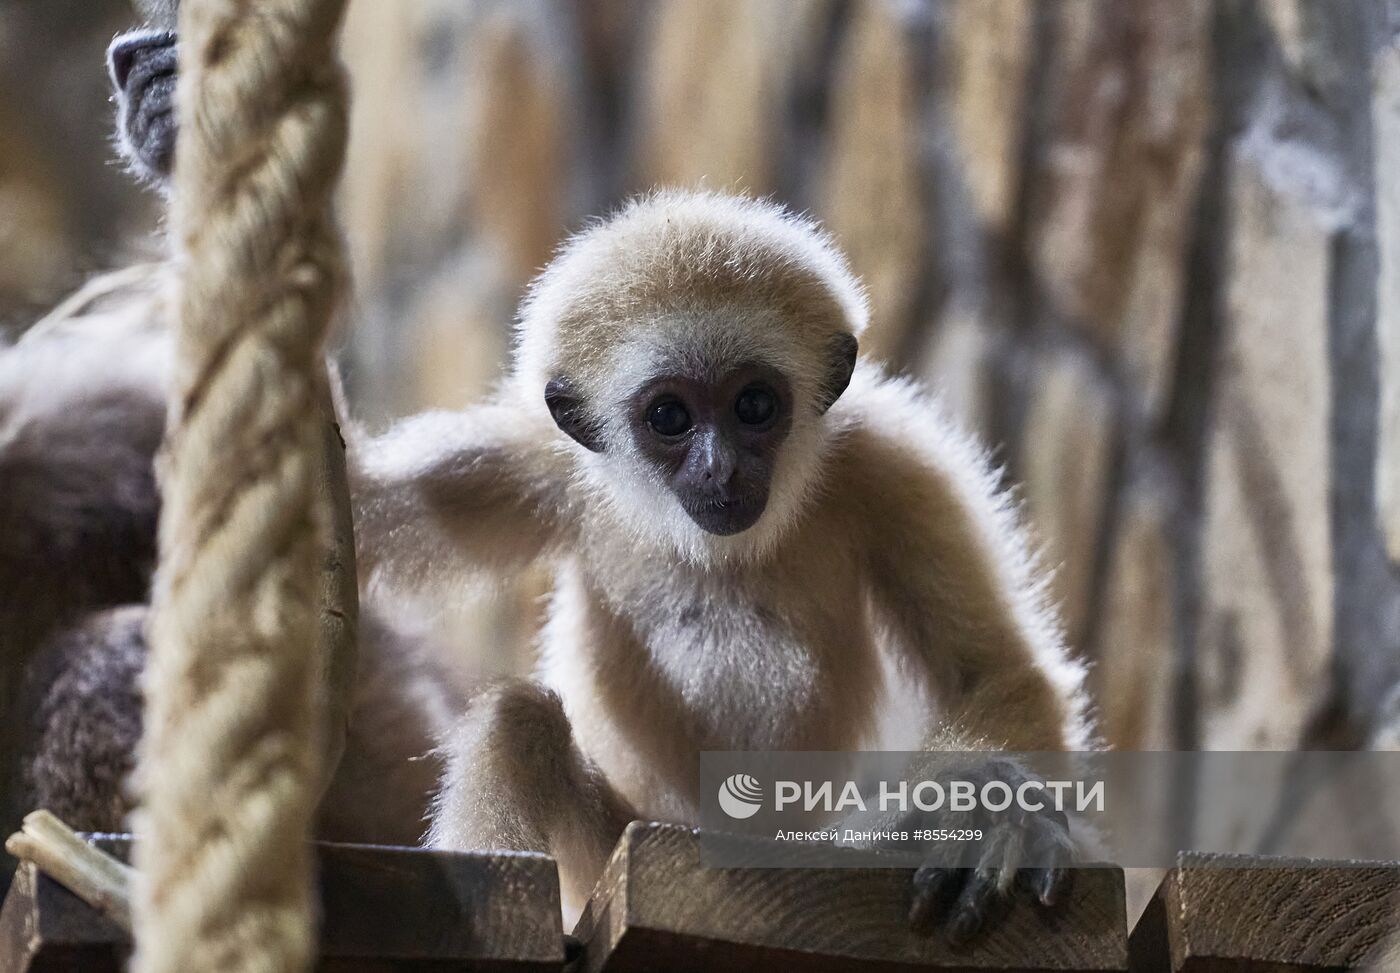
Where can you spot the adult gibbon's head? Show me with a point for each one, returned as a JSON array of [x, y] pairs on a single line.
[[692, 343]]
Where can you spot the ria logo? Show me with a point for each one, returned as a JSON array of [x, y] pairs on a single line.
[[740, 796]]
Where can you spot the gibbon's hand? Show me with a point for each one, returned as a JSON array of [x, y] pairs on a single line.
[[1020, 849], [143, 65]]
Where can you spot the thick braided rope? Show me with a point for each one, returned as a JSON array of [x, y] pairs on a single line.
[[228, 769]]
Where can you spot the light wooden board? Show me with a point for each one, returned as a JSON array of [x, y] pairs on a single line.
[[385, 909], [1235, 913], [658, 907]]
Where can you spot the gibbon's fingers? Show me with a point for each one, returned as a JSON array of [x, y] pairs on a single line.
[[1049, 881], [935, 889], [982, 902], [1047, 886]]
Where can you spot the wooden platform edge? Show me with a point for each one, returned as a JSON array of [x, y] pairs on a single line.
[[44, 927], [1221, 913], [378, 904], [658, 906]]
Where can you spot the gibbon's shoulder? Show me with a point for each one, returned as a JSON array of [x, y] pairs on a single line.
[[889, 420], [902, 457], [917, 486]]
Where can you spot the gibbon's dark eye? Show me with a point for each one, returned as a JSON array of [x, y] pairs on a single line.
[[756, 405], [668, 417]]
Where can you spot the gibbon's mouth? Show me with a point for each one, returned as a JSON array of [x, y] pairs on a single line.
[[725, 517]]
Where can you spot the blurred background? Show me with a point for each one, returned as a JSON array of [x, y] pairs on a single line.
[[1150, 249]]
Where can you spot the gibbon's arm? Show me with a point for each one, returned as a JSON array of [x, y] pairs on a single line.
[[952, 578], [515, 780], [484, 490]]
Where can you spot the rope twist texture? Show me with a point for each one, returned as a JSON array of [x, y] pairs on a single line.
[[228, 770]]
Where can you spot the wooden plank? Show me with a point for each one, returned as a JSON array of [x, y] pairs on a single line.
[[385, 909], [1236, 913], [658, 907], [405, 903], [45, 929]]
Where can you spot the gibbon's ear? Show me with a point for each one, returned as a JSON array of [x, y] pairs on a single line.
[[838, 376], [569, 414]]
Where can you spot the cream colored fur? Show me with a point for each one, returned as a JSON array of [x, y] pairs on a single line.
[[886, 540]]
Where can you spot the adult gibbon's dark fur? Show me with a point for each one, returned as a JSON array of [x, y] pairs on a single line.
[[79, 424], [82, 412]]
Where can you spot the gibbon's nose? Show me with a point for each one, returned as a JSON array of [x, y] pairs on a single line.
[[718, 463], [121, 56]]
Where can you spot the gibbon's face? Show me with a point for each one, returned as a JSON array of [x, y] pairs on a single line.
[[725, 425], [693, 343], [715, 441]]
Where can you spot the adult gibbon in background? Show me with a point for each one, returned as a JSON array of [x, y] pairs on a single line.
[[742, 519], [82, 413]]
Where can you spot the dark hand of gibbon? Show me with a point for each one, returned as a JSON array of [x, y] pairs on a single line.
[[142, 65], [1021, 850]]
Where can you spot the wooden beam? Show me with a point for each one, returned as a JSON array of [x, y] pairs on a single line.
[[1236, 913], [658, 907], [44, 928], [385, 909]]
